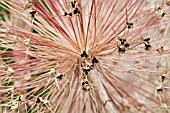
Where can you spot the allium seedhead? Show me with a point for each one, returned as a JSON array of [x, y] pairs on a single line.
[[159, 88], [10, 71], [28, 4], [15, 39], [38, 99], [21, 98], [60, 76], [27, 42], [79, 56], [85, 85], [52, 72], [14, 105]]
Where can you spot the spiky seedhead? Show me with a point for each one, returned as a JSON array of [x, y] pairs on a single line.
[[60, 43]]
